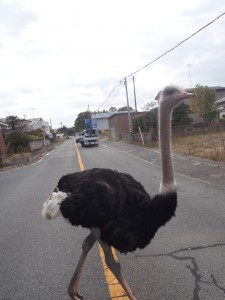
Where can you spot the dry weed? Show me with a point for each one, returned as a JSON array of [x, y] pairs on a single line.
[[211, 145]]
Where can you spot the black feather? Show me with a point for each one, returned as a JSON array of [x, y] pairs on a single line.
[[117, 204]]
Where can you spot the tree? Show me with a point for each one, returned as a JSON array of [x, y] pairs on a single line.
[[70, 131], [35, 135], [112, 109], [99, 111], [16, 141], [203, 104], [80, 120], [125, 108], [148, 106], [66, 130], [138, 123], [180, 115], [148, 120], [12, 121]]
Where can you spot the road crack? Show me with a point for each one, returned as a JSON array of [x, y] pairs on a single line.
[[192, 267]]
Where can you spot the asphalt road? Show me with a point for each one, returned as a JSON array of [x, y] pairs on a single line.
[[184, 261]]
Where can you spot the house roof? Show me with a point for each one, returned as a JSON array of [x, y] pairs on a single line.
[[109, 114], [101, 115], [217, 88], [122, 113], [221, 100], [35, 119], [3, 124]]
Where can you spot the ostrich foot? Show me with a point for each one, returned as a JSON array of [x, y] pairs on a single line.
[[76, 296]]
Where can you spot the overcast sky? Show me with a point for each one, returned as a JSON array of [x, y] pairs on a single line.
[[59, 58]]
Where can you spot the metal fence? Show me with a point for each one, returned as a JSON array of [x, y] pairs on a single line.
[[185, 130]]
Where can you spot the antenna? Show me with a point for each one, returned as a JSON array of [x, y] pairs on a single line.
[[189, 74], [32, 111]]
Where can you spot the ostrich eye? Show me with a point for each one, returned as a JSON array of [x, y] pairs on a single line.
[[169, 91]]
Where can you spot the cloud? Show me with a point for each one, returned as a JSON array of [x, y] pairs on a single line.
[[56, 60], [14, 18]]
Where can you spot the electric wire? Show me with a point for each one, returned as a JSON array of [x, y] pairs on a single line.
[[118, 83], [186, 39], [170, 50], [115, 95]]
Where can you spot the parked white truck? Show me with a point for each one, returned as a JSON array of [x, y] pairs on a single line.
[[90, 137]]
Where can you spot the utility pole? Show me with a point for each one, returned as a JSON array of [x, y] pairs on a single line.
[[135, 102], [128, 106]]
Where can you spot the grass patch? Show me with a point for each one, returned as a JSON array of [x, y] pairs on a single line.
[[211, 145]]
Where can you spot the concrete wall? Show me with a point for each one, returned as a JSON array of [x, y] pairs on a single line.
[[38, 144], [102, 124], [2, 144], [119, 126]]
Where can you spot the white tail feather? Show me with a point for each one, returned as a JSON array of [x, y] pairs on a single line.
[[52, 204]]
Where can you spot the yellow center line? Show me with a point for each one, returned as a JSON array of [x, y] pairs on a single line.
[[79, 159], [114, 286]]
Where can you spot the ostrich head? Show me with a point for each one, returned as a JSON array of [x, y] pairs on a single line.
[[171, 96]]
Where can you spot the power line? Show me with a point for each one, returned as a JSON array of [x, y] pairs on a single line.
[[115, 95], [186, 39], [119, 83], [176, 45], [109, 94]]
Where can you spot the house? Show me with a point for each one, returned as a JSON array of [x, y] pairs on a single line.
[[101, 119], [60, 136], [38, 123], [20, 125], [2, 142], [23, 125], [3, 124], [27, 125], [219, 93], [221, 107], [119, 124], [2, 145]]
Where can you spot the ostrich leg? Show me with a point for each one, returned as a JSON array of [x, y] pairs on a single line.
[[115, 268], [86, 247]]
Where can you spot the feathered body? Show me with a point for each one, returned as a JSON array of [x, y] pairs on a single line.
[[117, 204]]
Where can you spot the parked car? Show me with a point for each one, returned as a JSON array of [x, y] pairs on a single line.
[[79, 136]]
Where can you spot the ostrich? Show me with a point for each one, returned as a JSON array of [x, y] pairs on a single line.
[[114, 206]]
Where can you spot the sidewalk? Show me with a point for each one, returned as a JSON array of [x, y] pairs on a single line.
[[28, 158]]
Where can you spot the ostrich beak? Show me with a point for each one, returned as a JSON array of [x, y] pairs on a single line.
[[184, 95], [188, 95]]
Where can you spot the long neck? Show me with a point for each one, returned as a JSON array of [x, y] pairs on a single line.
[[168, 183]]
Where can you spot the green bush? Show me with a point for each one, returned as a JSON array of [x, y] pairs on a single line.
[[32, 137], [16, 141]]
